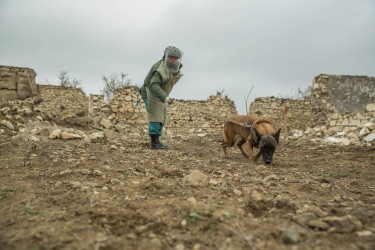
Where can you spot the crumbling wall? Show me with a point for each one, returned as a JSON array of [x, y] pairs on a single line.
[[182, 116], [340, 96], [17, 83], [63, 102], [298, 111], [343, 106]]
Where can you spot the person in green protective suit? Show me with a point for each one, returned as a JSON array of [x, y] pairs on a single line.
[[158, 84]]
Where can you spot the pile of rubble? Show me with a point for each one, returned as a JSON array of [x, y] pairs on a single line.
[[364, 135], [27, 119]]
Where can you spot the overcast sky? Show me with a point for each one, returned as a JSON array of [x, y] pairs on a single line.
[[277, 45]]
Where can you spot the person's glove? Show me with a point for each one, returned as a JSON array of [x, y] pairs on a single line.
[[168, 100]]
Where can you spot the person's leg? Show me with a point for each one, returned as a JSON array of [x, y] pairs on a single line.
[[161, 128], [154, 130]]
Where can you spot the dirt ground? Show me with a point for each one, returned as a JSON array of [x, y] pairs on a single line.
[[119, 194]]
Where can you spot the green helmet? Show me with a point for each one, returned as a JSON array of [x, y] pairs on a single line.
[[172, 51]]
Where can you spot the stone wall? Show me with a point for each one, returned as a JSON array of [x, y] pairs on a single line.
[[96, 101], [182, 116], [334, 96], [343, 106], [298, 111], [17, 83], [63, 101]]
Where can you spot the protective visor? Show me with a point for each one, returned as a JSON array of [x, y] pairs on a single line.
[[173, 61]]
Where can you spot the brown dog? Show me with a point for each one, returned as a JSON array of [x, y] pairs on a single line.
[[263, 135]]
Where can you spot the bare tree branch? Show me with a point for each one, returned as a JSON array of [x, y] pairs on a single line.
[[67, 81], [247, 99], [114, 82]]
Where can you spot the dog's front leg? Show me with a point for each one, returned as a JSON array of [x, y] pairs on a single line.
[[257, 156], [250, 150]]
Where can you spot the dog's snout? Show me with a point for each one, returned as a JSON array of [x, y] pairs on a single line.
[[269, 162]]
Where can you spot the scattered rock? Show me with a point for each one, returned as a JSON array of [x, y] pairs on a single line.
[[105, 123], [305, 218], [7, 124], [213, 182], [361, 214], [97, 135], [345, 224], [237, 192], [69, 136], [370, 137], [54, 135], [34, 139], [180, 247], [195, 178], [364, 233], [290, 235], [140, 169], [321, 225], [192, 200]]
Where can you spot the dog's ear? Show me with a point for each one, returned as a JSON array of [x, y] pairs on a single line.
[[259, 136], [277, 135]]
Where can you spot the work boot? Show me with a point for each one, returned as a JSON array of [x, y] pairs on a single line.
[[155, 143]]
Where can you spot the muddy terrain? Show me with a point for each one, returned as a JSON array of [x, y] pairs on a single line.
[[118, 194]]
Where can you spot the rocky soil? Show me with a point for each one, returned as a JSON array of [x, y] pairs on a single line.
[[74, 188]]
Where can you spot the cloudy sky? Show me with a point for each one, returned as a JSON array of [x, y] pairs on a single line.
[[276, 45]]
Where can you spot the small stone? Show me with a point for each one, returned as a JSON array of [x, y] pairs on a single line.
[[105, 123], [98, 172], [318, 224], [196, 178], [54, 135], [370, 107], [237, 192], [361, 214], [290, 235], [364, 233], [64, 172], [345, 224], [213, 182], [370, 137], [96, 136], [140, 169], [156, 243], [141, 198], [305, 218], [69, 136], [58, 183], [131, 236], [183, 223], [34, 139], [76, 184], [197, 246], [180, 247], [192, 200], [7, 124]]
